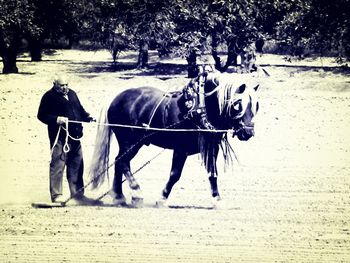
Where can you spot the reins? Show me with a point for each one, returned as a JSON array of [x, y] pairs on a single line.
[[66, 147], [166, 129], [116, 160], [133, 173]]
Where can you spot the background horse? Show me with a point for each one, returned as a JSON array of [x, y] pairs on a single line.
[[228, 106]]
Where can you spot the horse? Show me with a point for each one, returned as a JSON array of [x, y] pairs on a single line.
[[146, 115]]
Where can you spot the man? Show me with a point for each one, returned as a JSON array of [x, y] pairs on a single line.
[[57, 106]]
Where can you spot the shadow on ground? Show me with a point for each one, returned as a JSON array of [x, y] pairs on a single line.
[[334, 69], [130, 69]]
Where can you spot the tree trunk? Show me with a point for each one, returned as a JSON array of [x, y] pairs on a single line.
[[143, 54], [231, 55], [73, 39], [35, 49], [9, 62], [192, 68], [8, 52], [214, 52]]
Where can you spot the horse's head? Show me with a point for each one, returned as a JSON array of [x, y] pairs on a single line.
[[242, 111], [237, 104]]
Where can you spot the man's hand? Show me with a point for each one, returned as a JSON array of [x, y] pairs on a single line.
[[61, 120]]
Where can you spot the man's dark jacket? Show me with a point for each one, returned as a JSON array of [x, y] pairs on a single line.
[[54, 104]]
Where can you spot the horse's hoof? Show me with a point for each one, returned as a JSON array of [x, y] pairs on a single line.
[[161, 203], [119, 200], [136, 202]]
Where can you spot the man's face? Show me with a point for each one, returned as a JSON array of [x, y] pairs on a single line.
[[61, 86]]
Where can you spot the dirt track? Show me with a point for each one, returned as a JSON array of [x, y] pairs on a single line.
[[287, 201]]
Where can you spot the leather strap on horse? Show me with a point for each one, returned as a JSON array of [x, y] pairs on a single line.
[[154, 111], [198, 110]]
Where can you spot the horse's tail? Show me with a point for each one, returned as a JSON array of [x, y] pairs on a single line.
[[100, 159]]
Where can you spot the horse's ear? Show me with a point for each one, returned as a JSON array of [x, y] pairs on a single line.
[[241, 89], [256, 87]]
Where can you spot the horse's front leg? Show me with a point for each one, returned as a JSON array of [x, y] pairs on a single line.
[[213, 179], [216, 199], [179, 158]]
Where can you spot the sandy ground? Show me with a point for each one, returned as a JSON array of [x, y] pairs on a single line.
[[286, 200]]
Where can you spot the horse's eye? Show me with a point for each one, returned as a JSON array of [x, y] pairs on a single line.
[[257, 106], [236, 106]]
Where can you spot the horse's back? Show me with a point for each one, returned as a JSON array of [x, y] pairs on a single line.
[[146, 106], [133, 105]]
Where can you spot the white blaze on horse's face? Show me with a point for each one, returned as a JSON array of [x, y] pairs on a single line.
[[245, 102]]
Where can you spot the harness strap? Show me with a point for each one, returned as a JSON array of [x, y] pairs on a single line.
[[212, 92], [155, 109], [199, 90], [199, 109]]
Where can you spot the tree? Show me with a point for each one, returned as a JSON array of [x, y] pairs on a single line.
[[150, 20], [320, 25], [35, 21], [205, 25], [232, 23], [56, 19], [191, 32], [16, 21], [132, 24]]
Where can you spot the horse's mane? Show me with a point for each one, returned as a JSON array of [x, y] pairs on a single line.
[[209, 143], [226, 95]]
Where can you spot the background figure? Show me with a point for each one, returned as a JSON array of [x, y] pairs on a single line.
[[57, 106]]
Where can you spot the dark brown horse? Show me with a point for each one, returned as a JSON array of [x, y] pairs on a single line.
[[228, 106]]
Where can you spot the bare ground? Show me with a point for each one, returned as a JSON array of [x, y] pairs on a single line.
[[287, 200]]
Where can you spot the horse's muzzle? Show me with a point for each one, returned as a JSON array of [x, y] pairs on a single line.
[[245, 131]]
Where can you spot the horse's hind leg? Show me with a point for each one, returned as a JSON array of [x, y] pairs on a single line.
[[122, 167], [118, 184], [178, 162]]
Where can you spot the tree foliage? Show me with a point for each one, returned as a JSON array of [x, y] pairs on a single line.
[[320, 25], [188, 28]]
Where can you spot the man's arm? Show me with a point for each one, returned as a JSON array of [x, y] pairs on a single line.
[[44, 112], [85, 116]]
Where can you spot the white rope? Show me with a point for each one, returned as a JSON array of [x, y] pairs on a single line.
[[66, 147], [56, 140], [152, 128]]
